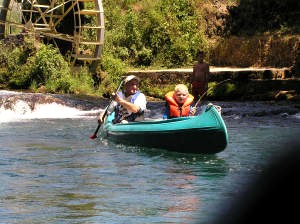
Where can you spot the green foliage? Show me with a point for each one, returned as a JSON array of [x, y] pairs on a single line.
[[158, 90], [37, 66], [174, 33], [223, 91], [3, 76], [51, 69], [156, 33], [230, 91], [21, 77], [82, 82], [114, 71], [144, 57], [153, 33], [19, 71]]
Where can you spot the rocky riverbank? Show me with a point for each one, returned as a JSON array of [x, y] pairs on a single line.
[[250, 83], [21, 103]]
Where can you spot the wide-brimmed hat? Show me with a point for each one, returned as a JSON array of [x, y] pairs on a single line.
[[131, 77]]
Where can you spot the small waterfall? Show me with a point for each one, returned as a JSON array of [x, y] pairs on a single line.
[[16, 106]]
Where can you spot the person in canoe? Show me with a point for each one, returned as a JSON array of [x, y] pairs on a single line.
[[130, 104], [178, 103]]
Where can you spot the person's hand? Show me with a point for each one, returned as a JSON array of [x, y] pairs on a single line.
[[100, 118], [116, 97], [193, 111]]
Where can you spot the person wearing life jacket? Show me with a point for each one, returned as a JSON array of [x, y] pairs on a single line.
[[178, 103], [130, 104]]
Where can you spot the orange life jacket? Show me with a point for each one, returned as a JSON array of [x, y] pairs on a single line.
[[175, 109]]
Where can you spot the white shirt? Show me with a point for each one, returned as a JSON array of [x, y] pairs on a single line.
[[140, 101]]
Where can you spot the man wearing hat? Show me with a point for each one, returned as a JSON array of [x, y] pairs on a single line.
[[130, 104]]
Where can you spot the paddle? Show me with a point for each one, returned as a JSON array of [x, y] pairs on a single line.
[[198, 101], [105, 113]]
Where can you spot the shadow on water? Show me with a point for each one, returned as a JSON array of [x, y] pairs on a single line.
[[80, 205], [210, 165], [271, 195]]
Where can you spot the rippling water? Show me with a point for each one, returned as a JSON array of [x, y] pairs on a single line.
[[51, 172]]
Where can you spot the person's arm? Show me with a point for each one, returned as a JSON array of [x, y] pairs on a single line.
[[192, 111], [192, 78], [109, 111], [129, 106], [138, 105], [207, 73], [193, 75]]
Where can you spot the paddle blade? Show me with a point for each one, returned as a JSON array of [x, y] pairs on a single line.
[[93, 136], [95, 133]]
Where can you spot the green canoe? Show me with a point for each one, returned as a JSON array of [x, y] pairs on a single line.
[[205, 133]]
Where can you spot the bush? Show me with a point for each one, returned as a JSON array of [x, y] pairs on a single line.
[[51, 70], [19, 70], [82, 82], [38, 67], [144, 57], [114, 71], [223, 91], [156, 33]]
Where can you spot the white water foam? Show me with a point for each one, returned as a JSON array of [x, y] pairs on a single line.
[[297, 115], [22, 111], [7, 93]]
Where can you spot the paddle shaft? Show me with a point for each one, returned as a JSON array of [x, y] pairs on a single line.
[[198, 101], [105, 113]]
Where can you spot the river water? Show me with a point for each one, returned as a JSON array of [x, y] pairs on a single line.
[[51, 172]]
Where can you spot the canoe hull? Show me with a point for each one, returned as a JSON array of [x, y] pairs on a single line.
[[205, 133]]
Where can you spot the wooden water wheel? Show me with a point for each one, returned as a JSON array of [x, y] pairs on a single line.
[[76, 27]]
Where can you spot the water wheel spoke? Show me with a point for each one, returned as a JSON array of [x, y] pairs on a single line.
[[78, 22], [65, 13]]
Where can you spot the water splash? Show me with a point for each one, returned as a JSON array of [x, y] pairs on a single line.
[[297, 115], [6, 92], [17, 106], [21, 110]]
